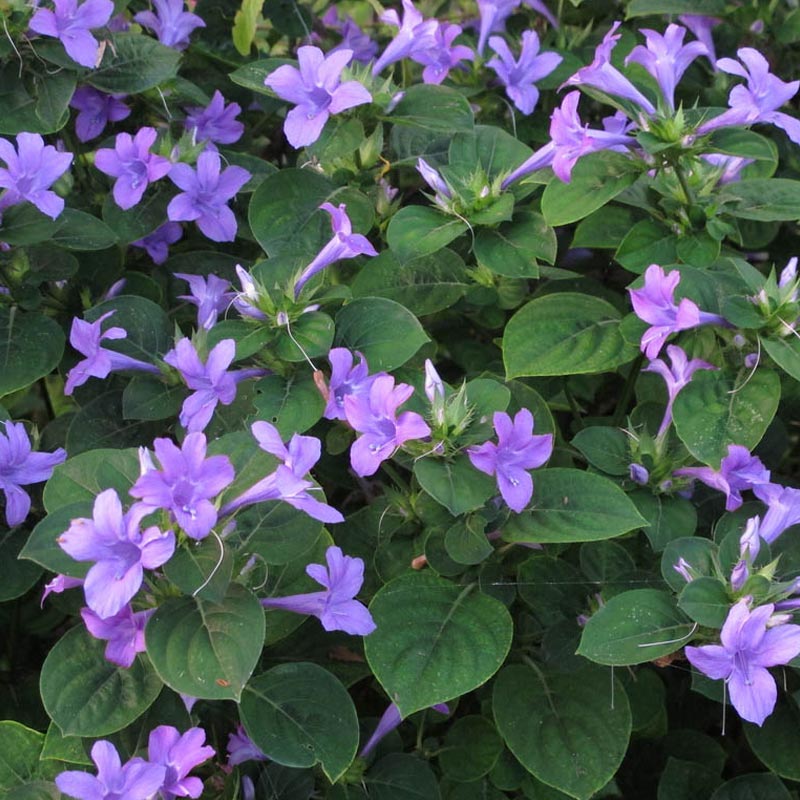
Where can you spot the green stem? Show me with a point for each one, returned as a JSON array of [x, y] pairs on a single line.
[[687, 192]]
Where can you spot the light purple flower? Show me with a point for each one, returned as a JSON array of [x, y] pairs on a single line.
[[666, 58], [517, 450], [730, 166], [60, 584], [353, 38], [343, 244], [133, 166], [390, 720], [211, 295], [701, 26], [20, 466], [519, 76], [179, 754], [120, 549], [494, 13], [205, 195], [70, 23], [639, 474], [171, 24], [737, 472], [124, 632], [373, 415], [748, 647], [246, 301], [95, 110], [683, 568], [186, 484], [30, 171], [783, 509], [346, 379], [414, 35], [216, 123], [137, 779], [443, 55], [435, 181], [242, 748], [157, 243], [336, 607]]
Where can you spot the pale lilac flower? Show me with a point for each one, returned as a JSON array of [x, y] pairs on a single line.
[[136, 780], [639, 474], [683, 568], [666, 58], [187, 483], [701, 26], [443, 55], [211, 295], [179, 754], [730, 166], [95, 110], [171, 24], [519, 76], [70, 22], [759, 100], [748, 647], [373, 415], [517, 450], [739, 575], [157, 243], [30, 171], [390, 720], [20, 466], [434, 179], [783, 509], [343, 244], [737, 472], [60, 584], [120, 549], [133, 166], [494, 13], [216, 123], [317, 91], [124, 632], [353, 38], [205, 195], [118, 23], [750, 540], [335, 607], [246, 301], [414, 35], [242, 748], [346, 379]]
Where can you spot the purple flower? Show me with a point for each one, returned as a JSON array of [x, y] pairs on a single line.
[[171, 24], [655, 303], [343, 244], [517, 450], [70, 23], [212, 383], [120, 550], [748, 647], [19, 466], [137, 779], [683, 568], [60, 584], [676, 377], [435, 181], [133, 166], [86, 338], [414, 35], [730, 167], [179, 754], [737, 472], [373, 415], [157, 243], [353, 38], [205, 196], [95, 110], [666, 58], [759, 100], [494, 14], [390, 720], [783, 509], [520, 76], [246, 301], [336, 607], [187, 483], [317, 91], [211, 295], [242, 748], [639, 474], [443, 55], [701, 26], [30, 171], [124, 632], [216, 122], [346, 379]]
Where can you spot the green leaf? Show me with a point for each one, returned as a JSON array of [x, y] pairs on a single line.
[[416, 231], [202, 569], [244, 25], [19, 753], [758, 786], [456, 484], [564, 334], [313, 332], [570, 505], [206, 649], [552, 588], [276, 531], [512, 249], [25, 225], [53, 92], [645, 8], [85, 695], [42, 546], [568, 730], [471, 749], [488, 148], [434, 640], [292, 404], [647, 242], [81, 231], [139, 221], [700, 553], [253, 74], [69, 749], [433, 108], [669, 517], [150, 332], [715, 411], [399, 776], [763, 200], [604, 228], [606, 448], [147, 398], [706, 601], [301, 715], [133, 63], [634, 627], [466, 542], [776, 743], [31, 345], [16, 577], [785, 352]]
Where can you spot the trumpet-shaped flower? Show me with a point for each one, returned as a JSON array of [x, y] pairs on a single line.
[[170, 23], [71, 22], [783, 509], [390, 720], [414, 35], [179, 754], [701, 26], [242, 748], [95, 110], [124, 632]]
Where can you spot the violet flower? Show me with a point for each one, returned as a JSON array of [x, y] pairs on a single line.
[[157, 243], [70, 23], [179, 754], [60, 584], [136, 779], [737, 472], [205, 195], [701, 26], [170, 23], [443, 55], [211, 295], [242, 748], [343, 244], [435, 181], [390, 720], [494, 13], [124, 632], [730, 166], [346, 379], [783, 509], [353, 38], [186, 484], [133, 166], [748, 647], [246, 301], [216, 123], [335, 607], [414, 35], [373, 415], [517, 450], [519, 76], [639, 474], [30, 171], [20, 466], [120, 550], [95, 110]]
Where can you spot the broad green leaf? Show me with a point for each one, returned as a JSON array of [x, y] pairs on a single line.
[[133, 63], [606, 448], [147, 398], [456, 484], [785, 352], [758, 786], [697, 551], [471, 748], [31, 345], [647, 242], [16, 576], [201, 569], [465, 541], [81, 231], [25, 225], [276, 531], [604, 228], [69, 749], [416, 231], [400, 776], [706, 601], [150, 332], [311, 337], [253, 74], [762, 200], [142, 219], [645, 8], [488, 148], [53, 93], [292, 404], [553, 588], [19, 753], [433, 108], [776, 743], [434, 640], [512, 248], [669, 517]]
